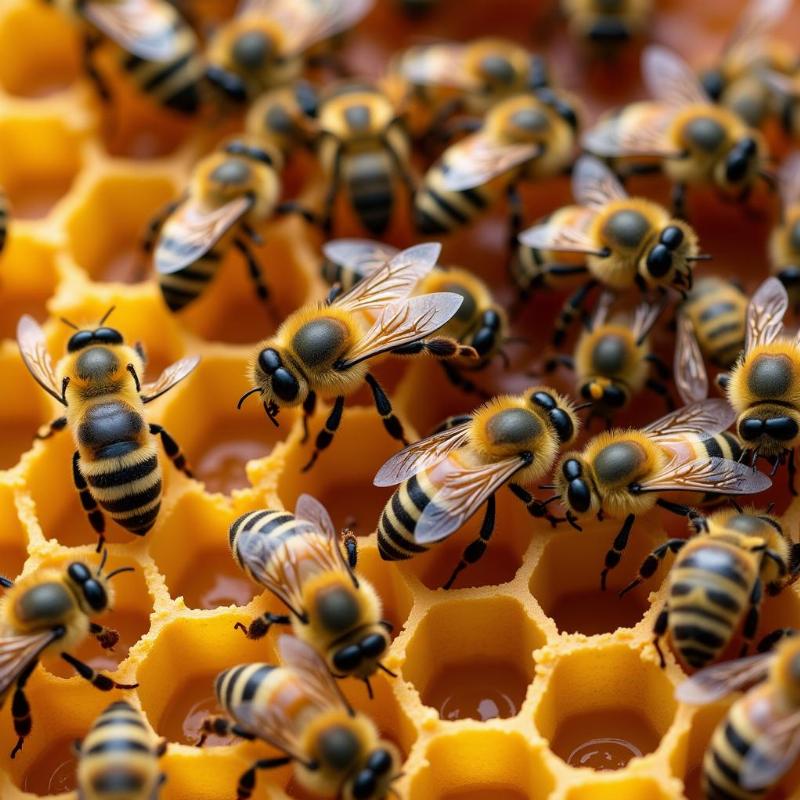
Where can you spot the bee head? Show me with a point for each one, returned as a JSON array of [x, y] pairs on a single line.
[[274, 376], [668, 260], [102, 334], [378, 770], [714, 83], [360, 654], [91, 588], [559, 411], [769, 429], [573, 481], [740, 165]]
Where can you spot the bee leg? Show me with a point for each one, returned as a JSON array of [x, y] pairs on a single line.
[[650, 564], [222, 726], [751, 620], [677, 508], [21, 710], [679, 200], [661, 390], [96, 518], [247, 781], [350, 542], [384, 407], [325, 436], [536, 508], [6, 583], [97, 679], [436, 130], [172, 449], [571, 308], [475, 549], [791, 469], [556, 361], [461, 382], [515, 214], [136, 380], [260, 626], [54, 427], [659, 629], [614, 555], [309, 406], [253, 268], [107, 637], [771, 639]]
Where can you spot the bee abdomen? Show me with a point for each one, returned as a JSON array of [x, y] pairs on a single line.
[[258, 535], [439, 210], [728, 747], [369, 179], [399, 520], [240, 684], [184, 286]]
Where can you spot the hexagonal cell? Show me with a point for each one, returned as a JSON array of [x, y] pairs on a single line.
[[202, 521], [395, 594], [623, 789], [482, 765], [13, 539], [483, 662], [41, 157], [105, 231], [176, 677], [603, 718]]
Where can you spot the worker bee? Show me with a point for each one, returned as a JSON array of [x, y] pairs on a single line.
[[605, 23], [757, 741], [299, 709], [323, 350], [266, 44], [232, 190], [626, 241], [115, 465], [119, 757], [285, 116], [50, 612], [159, 50], [330, 608], [784, 241], [693, 140], [445, 478], [626, 472], [528, 136], [717, 582]]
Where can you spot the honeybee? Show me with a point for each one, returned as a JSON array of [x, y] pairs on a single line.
[[693, 140], [784, 241], [298, 708], [115, 465], [607, 23], [231, 190], [528, 136], [159, 50], [626, 241], [323, 350], [285, 116], [717, 581], [626, 472], [445, 478], [298, 558], [757, 741], [363, 149], [119, 757], [266, 44], [48, 612]]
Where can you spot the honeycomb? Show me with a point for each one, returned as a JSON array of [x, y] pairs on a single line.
[[525, 681]]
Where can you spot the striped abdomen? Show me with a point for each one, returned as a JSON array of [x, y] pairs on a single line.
[[333, 273], [369, 179], [186, 285], [243, 684], [438, 209], [399, 518], [717, 311], [692, 447]]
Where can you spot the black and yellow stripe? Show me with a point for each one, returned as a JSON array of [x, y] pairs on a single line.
[[245, 683], [717, 311], [185, 285], [438, 209], [400, 516]]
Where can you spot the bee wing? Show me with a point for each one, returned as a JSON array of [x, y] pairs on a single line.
[[17, 653], [765, 313], [645, 317], [594, 185], [669, 79], [708, 475], [33, 349], [772, 754], [560, 237], [758, 18], [362, 256], [478, 158], [144, 28], [394, 280], [691, 378], [193, 231], [311, 510], [318, 680], [789, 180], [419, 455], [703, 418], [440, 64], [404, 322], [460, 495], [169, 378], [628, 134], [602, 309], [719, 680]]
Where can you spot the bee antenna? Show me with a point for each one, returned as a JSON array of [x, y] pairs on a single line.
[[700, 257], [369, 689], [736, 505], [70, 324], [547, 486], [582, 406], [573, 521], [386, 669], [106, 315], [272, 412], [551, 499], [103, 560], [245, 396], [118, 571], [770, 507]]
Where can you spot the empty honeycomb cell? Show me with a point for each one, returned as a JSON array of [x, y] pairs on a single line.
[[484, 660], [193, 534], [481, 764], [629, 788], [603, 718], [106, 229], [13, 538]]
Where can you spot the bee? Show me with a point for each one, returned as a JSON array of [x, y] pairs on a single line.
[[445, 478], [232, 190], [717, 582], [299, 709], [627, 242], [267, 43], [627, 472], [784, 241], [285, 116], [693, 140], [298, 558], [322, 350], [159, 50], [528, 136], [119, 757], [115, 465], [50, 612], [607, 23], [364, 150], [757, 741]]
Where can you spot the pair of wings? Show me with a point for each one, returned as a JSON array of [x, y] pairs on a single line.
[[279, 569], [644, 317], [773, 752], [33, 348], [439, 64]]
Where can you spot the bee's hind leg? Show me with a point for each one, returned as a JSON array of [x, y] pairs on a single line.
[[21, 709], [476, 549], [93, 512]]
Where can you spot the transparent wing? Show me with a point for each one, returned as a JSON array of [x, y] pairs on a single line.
[[478, 158], [17, 653], [765, 313], [691, 377], [33, 349], [395, 280], [169, 378], [756, 21], [708, 475], [553, 234], [773, 754], [440, 64], [192, 231], [311, 510], [602, 309], [669, 78], [594, 184], [645, 317], [462, 490], [404, 322], [419, 455], [301, 657], [719, 680], [703, 418], [639, 131], [789, 180], [361, 256]]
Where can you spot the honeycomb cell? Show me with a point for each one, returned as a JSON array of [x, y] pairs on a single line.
[[603, 718], [625, 789], [13, 539], [483, 663]]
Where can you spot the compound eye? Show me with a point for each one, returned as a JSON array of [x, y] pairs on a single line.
[[751, 429], [364, 784], [79, 340], [572, 469], [748, 147], [252, 49], [544, 400], [498, 69], [671, 236], [348, 658], [781, 428], [79, 572], [373, 645], [613, 396], [269, 361], [579, 496], [659, 261], [713, 83], [108, 336], [736, 166], [95, 595], [562, 423], [284, 384], [306, 98], [379, 762]]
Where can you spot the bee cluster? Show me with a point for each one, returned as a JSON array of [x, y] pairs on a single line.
[[401, 308]]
